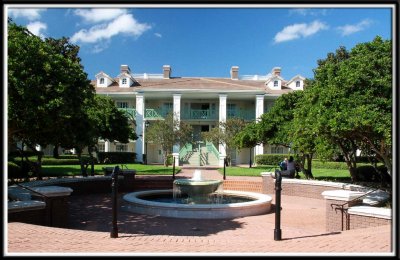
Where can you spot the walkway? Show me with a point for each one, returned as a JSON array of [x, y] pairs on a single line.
[[303, 232]]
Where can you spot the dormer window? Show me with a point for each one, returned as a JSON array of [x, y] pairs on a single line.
[[297, 84], [275, 83], [101, 80], [124, 81]]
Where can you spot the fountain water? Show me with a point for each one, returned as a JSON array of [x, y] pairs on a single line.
[[197, 190], [197, 198]]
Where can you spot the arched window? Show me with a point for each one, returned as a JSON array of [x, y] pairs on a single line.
[[101, 80], [297, 84]]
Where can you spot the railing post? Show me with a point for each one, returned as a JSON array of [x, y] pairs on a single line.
[[278, 187], [224, 168], [114, 193], [173, 168]]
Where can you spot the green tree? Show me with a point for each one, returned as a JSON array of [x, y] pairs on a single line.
[[51, 100], [167, 133], [351, 101], [225, 135], [41, 83]]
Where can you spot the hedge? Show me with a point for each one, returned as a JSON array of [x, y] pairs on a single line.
[[117, 157], [270, 159]]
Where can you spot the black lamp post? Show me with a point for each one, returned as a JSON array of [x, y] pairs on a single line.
[[278, 187], [250, 162], [146, 125]]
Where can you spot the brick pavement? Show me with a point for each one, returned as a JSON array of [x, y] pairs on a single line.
[[302, 225]]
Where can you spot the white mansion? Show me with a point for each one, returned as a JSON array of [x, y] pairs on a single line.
[[201, 102]]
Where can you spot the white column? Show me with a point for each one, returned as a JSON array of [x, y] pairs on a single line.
[[139, 127], [177, 118], [107, 146], [222, 119], [259, 149]]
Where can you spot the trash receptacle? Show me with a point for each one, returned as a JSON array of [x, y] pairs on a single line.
[[129, 178]]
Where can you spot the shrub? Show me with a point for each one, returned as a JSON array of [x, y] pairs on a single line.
[[117, 157], [269, 159]]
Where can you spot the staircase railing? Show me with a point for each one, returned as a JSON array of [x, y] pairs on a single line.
[[345, 210], [211, 149], [185, 152]]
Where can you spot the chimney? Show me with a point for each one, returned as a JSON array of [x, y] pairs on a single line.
[[167, 71], [276, 71], [126, 69], [235, 72]]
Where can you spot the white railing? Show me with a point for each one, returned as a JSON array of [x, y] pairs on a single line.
[[254, 77], [148, 76]]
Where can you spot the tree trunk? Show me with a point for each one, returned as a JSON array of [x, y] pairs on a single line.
[[38, 167], [83, 169], [90, 149], [55, 152]]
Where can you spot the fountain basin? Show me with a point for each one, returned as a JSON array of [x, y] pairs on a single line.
[[195, 188], [259, 204]]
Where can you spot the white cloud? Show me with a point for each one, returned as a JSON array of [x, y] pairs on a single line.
[[124, 24], [298, 30], [353, 28], [159, 35], [99, 15], [29, 13], [36, 28]]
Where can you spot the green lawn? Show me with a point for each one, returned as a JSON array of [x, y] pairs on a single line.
[[72, 170], [319, 174]]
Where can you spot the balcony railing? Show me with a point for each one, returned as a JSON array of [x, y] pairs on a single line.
[[199, 114], [130, 112], [246, 114], [152, 113]]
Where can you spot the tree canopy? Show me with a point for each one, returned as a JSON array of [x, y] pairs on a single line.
[[167, 133], [51, 100]]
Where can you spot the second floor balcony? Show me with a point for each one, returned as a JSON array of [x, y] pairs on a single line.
[[200, 114]]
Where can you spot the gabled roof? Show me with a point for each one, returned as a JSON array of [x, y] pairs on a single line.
[[125, 75], [274, 77], [295, 78], [195, 84], [103, 74]]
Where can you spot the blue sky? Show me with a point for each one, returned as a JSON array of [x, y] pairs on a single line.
[[204, 41]]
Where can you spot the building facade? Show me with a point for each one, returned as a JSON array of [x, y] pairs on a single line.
[[202, 102]]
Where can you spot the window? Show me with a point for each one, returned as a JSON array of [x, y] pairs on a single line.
[[275, 83], [124, 81], [122, 104], [231, 110], [276, 149], [166, 108], [101, 147], [121, 147], [101, 80], [297, 84]]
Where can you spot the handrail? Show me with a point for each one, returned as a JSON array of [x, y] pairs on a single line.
[[345, 210], [185, 150], [211, 148]]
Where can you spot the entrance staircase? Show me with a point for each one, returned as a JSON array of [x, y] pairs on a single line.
[[204, 154]]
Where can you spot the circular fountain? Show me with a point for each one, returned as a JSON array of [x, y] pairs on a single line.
[[197, 198]]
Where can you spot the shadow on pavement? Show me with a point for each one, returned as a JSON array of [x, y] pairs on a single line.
[[94, 213]]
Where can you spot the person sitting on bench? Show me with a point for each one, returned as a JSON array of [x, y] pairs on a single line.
[[290, 168]]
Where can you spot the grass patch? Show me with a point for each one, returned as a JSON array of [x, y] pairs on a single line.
[[75, 170]]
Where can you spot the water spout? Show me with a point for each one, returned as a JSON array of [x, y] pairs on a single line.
[[197, 176]]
